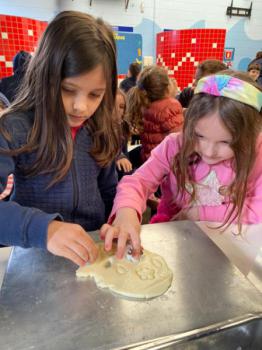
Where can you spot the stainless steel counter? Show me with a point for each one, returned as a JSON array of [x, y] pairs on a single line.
[[43, 305]]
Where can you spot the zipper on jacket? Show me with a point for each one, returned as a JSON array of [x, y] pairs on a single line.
[[75, 190]]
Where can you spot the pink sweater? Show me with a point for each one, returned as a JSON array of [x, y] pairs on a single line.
[[134, 190]]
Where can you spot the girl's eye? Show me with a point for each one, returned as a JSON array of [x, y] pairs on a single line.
[[95, 95], [67, 90], [226, 142], [199, 136]]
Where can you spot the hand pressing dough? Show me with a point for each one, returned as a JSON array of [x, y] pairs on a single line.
[[144, 279]]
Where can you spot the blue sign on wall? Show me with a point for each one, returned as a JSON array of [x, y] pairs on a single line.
[[129, 49], [122, 29]]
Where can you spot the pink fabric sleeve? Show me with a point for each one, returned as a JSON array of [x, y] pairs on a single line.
[[134, 190]]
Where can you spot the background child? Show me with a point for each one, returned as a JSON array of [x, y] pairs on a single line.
[[204, 69], [132, 76], [152, 110], [258, 60], [254, 71], [212, 171], [58, 139], [123, 163], [9, 86]]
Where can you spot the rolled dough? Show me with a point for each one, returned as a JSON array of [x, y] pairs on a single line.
[[144, 279]]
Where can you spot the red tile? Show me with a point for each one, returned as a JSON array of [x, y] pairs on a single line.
[[179, 41]]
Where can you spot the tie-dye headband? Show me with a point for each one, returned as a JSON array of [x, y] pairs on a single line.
[[231, 87]]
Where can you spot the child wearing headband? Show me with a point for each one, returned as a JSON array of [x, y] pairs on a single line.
[[211, 171]]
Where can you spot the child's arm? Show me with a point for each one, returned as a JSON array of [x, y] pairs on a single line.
[[132, 193], [23, 226], [30, 227]]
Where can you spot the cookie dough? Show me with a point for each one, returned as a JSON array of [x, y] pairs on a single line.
[[144, 279]]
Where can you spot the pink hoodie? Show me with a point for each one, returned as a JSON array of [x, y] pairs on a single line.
[[133, 190]]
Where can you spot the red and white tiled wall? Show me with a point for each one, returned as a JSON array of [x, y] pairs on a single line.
[[17, 33], [180, 51]]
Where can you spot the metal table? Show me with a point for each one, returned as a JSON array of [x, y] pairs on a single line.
[[44, 306]]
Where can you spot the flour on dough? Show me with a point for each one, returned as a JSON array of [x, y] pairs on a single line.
[[145, 279]]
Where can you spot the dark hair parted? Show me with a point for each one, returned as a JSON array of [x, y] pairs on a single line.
[[134, 69], [73, 43], [153, 85], [208, 67], [244, 124]]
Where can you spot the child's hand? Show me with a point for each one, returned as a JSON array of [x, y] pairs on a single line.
[[71, 241], [124, 164], [126, 227]]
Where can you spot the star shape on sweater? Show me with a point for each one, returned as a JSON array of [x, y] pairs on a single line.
[[207, 191]]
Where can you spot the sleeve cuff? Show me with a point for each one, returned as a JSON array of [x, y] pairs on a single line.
[[36, 231]]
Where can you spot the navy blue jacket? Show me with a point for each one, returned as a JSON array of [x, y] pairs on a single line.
[[85, 196]]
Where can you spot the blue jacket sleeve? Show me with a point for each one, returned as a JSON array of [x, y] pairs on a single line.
[[21, 226], [107, 184]]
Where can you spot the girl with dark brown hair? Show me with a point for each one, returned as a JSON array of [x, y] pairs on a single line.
[[212, 171], [58, 139]]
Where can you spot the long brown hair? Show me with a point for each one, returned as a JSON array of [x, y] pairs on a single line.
[[244, 124], [152, 85], [73, 43]]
